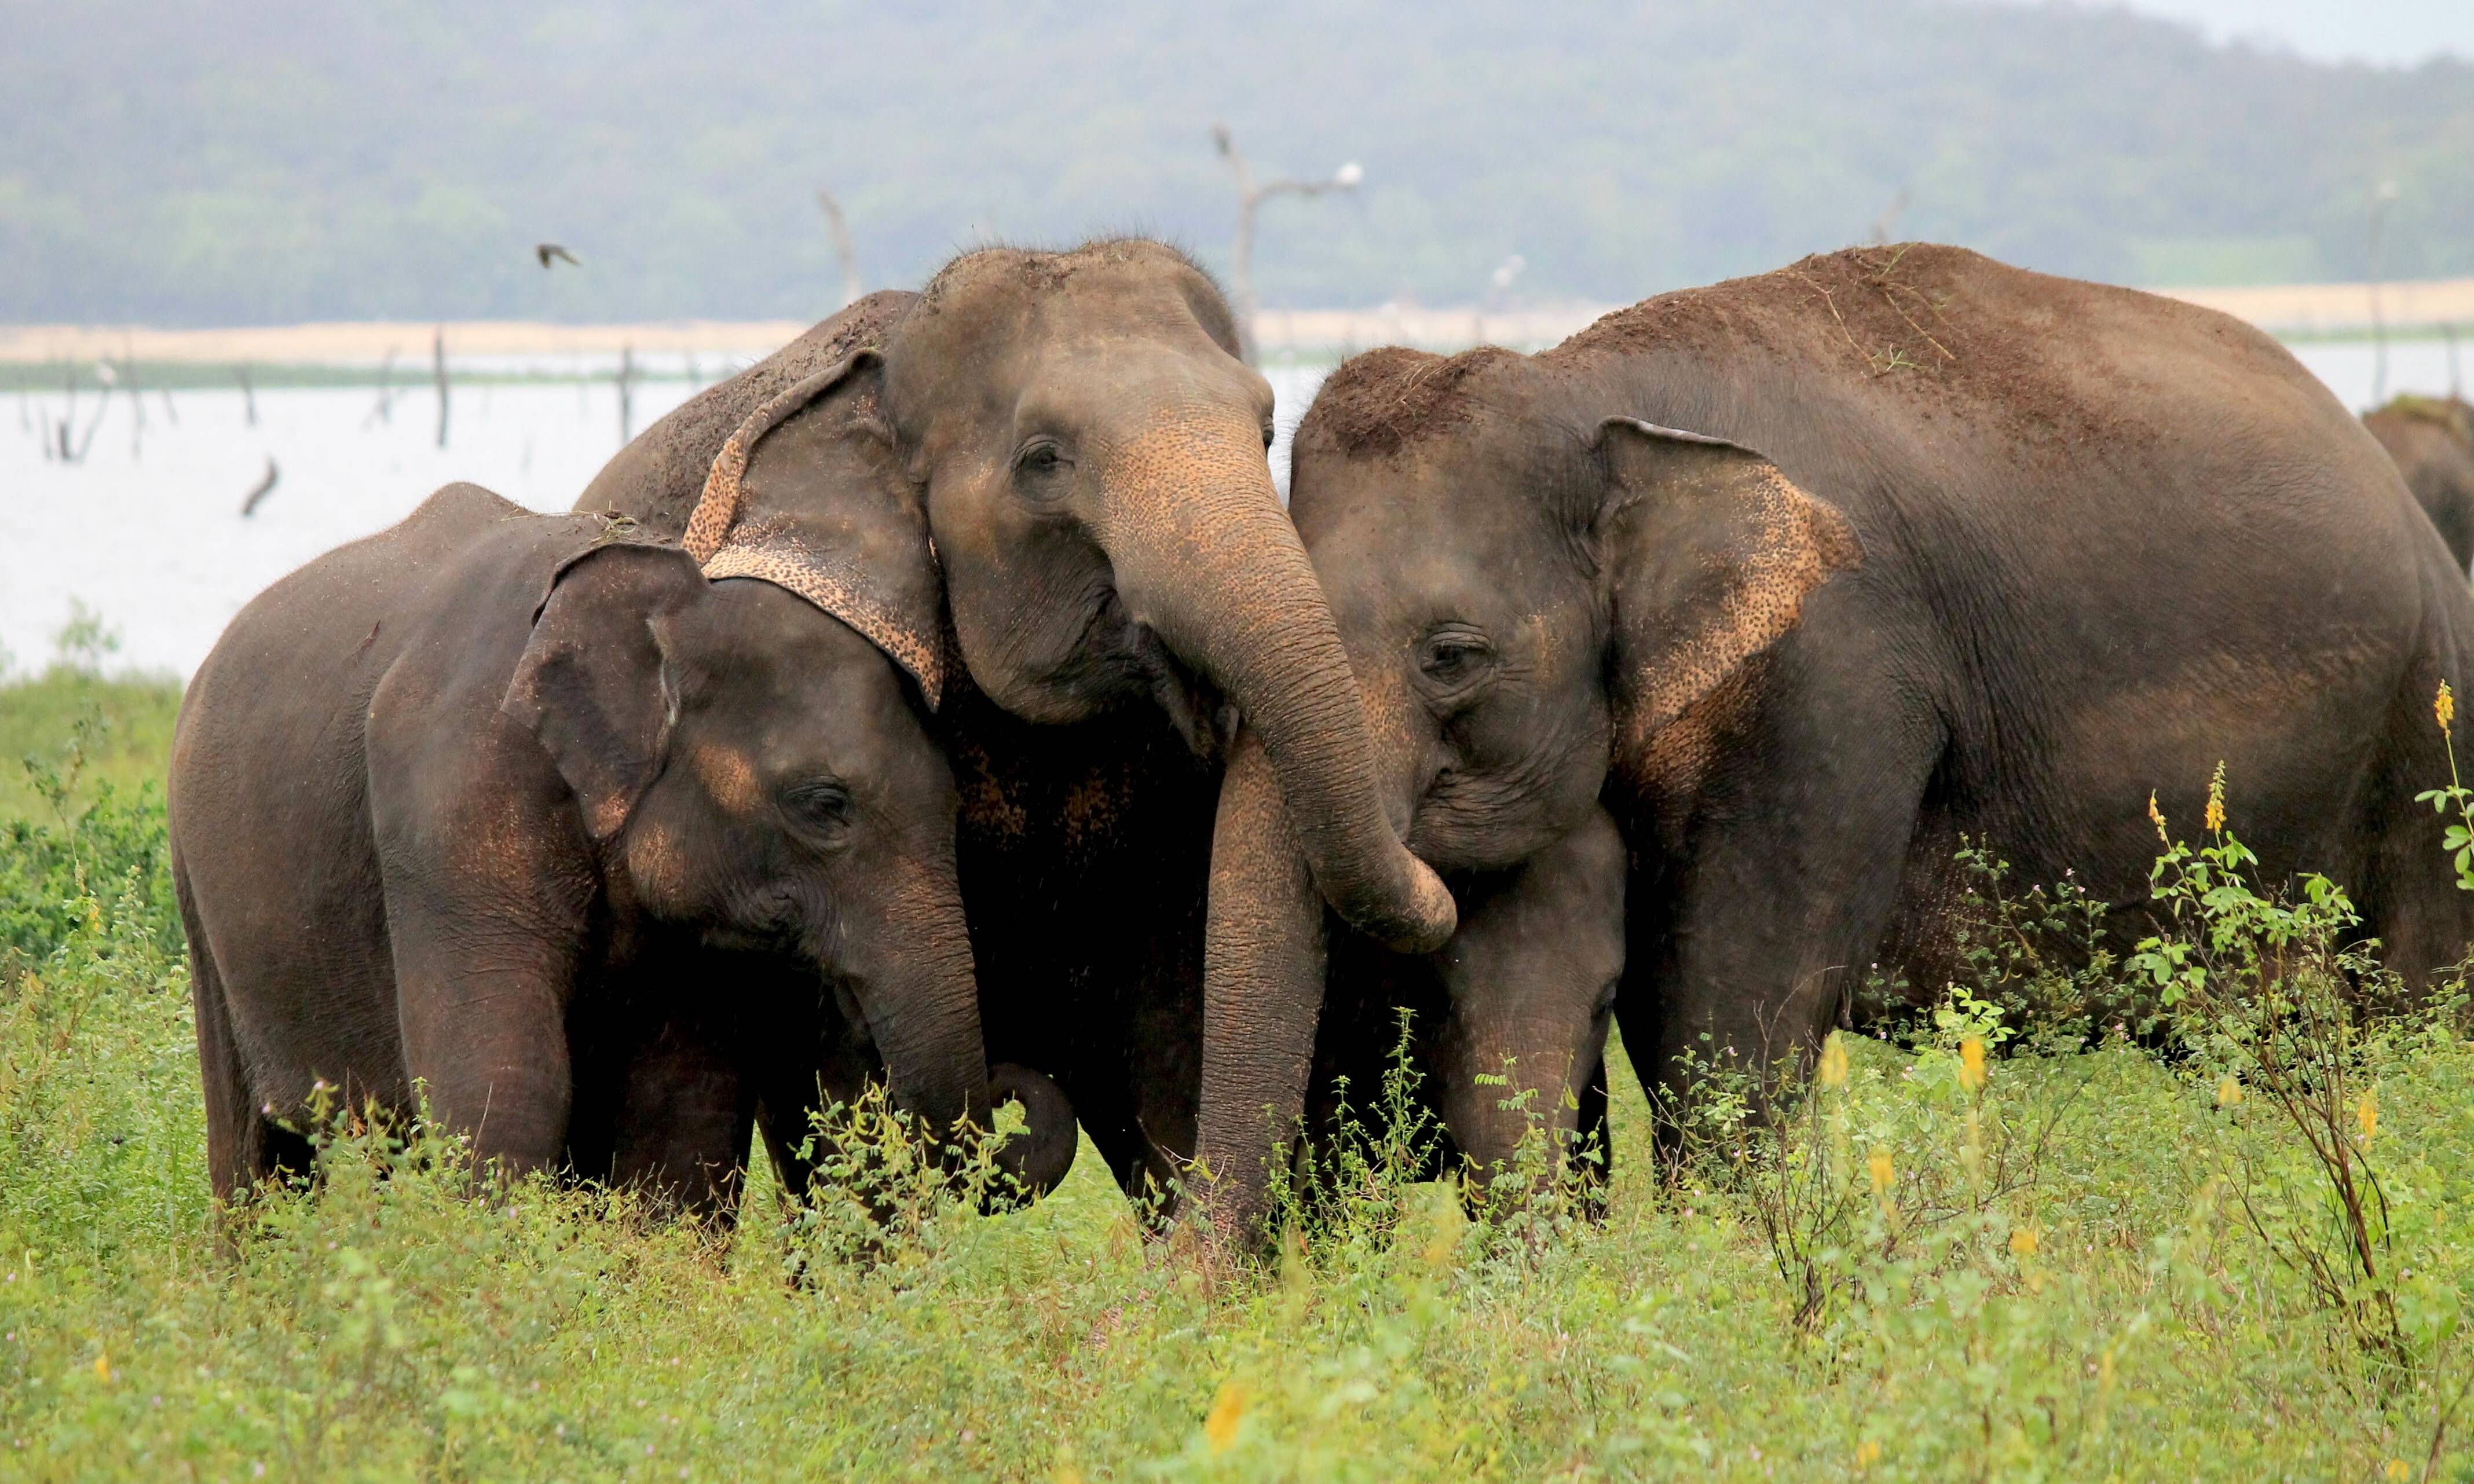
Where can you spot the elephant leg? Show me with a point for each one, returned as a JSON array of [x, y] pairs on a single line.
[[481, 1005], [244, 1146], [685, 1120], [1742, 942], [236, 1143], [1595, 1140], [798, 1068]]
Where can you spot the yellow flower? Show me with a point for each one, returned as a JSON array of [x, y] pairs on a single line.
[[1971, 1063], [1228, 1410], [2397, 1468], [2366, 1112], [2228, 1091], [2157, 816], [103, 1367], [1833, 1061], [2444, 707], [2214, 818], [2022, 1241], [1879, 1162], [1867, 1453]]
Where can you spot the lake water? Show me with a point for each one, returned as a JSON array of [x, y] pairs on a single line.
[[147, 532]]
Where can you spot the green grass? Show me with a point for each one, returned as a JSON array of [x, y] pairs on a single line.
[[397, 1328], [115, 732]]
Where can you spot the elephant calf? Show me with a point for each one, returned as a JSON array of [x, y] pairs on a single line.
[[605, 853]]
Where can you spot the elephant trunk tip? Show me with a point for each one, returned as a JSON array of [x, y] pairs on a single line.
[[1039, 1156], [1416, 916]]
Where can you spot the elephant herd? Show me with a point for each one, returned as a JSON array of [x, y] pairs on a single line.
[[950, 702]]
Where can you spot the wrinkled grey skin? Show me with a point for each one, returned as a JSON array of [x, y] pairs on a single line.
[[2068, 545], [1509, 1020], [1121, 581], [607, 860], [2432, 440]]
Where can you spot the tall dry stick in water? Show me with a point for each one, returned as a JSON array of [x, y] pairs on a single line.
[[840, 229], [627, 392], [438, 368]]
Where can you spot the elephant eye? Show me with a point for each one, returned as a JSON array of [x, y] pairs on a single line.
[[1038, 466], [820, 804], [1455, 658]]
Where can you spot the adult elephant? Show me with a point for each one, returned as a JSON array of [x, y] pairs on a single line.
[[2432, 440], [1802, 577], [1121, 581]]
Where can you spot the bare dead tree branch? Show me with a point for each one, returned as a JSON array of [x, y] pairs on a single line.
[[840, 229], [265, 487]]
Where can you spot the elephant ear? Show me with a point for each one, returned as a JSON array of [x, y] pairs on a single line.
[[1708, 553], [809, 495], [593, 684]]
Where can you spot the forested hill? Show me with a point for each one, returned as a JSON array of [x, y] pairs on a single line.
[[184, 162]]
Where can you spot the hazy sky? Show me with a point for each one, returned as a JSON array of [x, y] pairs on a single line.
[[2393, 32]]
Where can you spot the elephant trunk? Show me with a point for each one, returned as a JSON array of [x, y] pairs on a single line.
[[1262, 995], [1534, 1069], [1205, 556], [1532, 976], [920, 997]]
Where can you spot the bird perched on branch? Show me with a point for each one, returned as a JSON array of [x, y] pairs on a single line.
[[545, 250]]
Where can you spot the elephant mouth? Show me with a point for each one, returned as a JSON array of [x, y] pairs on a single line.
[[1194, 706], [1116, 661]]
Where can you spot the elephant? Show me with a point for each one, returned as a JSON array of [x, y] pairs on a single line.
[[1807, 577], [608, 854], [1533, 970], [1088, 453], [2432, 439]]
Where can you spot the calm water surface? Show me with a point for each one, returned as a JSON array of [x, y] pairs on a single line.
[[147, 531]]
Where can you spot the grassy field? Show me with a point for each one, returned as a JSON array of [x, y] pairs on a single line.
[[2078, 1261]]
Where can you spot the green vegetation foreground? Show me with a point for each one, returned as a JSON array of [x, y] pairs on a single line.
[[2249, 1262]]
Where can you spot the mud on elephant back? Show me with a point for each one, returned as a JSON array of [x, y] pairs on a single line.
[[1801, 578]]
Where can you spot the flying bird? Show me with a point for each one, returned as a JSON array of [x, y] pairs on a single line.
[[545, 250]]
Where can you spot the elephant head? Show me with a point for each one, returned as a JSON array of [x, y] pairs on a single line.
[[1529, 588], [745, 719], [1091, 449]]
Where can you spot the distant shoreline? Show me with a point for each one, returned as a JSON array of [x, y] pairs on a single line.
[[2294, 310]]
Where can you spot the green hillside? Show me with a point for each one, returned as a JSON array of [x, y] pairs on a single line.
[[177, 162]]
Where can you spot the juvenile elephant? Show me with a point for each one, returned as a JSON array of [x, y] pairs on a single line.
[[2432, 440], [1802, 577], [1087, 451], [605, 852]]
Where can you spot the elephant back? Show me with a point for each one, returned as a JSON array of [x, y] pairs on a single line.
[[656, 479]]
